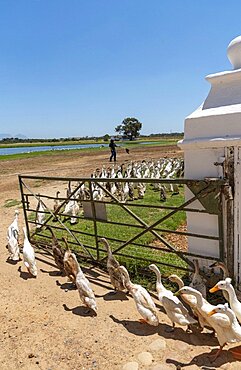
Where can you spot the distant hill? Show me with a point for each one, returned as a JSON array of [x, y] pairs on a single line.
[[19, 136]]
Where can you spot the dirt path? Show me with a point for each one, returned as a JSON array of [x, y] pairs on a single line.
[[44, 327]]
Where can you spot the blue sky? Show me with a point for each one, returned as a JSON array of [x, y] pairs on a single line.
[[79, 67]]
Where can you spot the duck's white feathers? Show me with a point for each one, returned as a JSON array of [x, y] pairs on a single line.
[[40, 215], [188, 298], [176, 312], [198, 282], [161, 290], [235, 328], [144, 303], [13, 248], [29, 255], [85, 292], [144, 298], [13, 236], [219, 322], [226, 285], [174, 308], [13, 229]]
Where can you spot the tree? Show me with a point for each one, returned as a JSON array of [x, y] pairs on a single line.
[[106, 137], [130, 127]]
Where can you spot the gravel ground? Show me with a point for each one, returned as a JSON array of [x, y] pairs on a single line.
[[44, 327]]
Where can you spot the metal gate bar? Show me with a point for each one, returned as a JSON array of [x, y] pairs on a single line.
[[207, 186]]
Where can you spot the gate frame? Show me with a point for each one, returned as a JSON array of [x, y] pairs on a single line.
[[214, 205]]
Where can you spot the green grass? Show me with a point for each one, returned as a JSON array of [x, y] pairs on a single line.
[[7, 157], [12, 203], [128, 144], [90, 141], [115, 213], [151, 142]]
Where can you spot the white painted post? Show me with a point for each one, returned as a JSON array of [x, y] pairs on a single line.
[[209, 133]]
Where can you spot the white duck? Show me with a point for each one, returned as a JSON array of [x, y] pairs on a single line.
[[174, 308], [12, 236], [29, 255], [198, 282], [13, 248], [190, 299], [219, 322], [161, 290], [13, 228], [226, 286], [72, 210], [97, 193], [144, 303], [234, 329], [40, 214], [124, 192], [226, 274], [85, 292]]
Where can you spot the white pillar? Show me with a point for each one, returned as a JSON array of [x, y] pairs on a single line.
[[208, 134]]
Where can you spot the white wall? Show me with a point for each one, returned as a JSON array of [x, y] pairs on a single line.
[[211, 128]]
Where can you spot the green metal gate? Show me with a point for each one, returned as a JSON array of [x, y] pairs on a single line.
[[138, 231]]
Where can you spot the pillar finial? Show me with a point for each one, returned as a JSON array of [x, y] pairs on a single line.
[[234, 52]]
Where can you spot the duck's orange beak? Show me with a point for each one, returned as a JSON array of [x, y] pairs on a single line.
[[214, 289], [212, 312]]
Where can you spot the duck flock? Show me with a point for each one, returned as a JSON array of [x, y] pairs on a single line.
[[164, 168], [188, 307]]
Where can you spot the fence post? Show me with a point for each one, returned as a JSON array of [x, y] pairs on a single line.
[[94, 220], [23, 203], [211, 134]]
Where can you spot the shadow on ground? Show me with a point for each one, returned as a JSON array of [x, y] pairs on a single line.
[[204, 360], [80, 311], [25, 275]]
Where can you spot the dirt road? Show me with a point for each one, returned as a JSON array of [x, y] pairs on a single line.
[[45, 327]]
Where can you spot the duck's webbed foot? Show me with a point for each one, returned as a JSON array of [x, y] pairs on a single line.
[[143, 321], [189, 329], [113, 292], [170, 329], [194, 328], [212, 333], [214, 357]]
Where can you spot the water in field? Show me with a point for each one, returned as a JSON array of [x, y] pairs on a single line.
[[30, 149]]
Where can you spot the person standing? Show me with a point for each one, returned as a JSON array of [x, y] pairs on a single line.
[[112, 146]]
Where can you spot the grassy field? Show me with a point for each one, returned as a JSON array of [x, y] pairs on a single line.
[[12, 203], [52, 152], [86, 141]]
